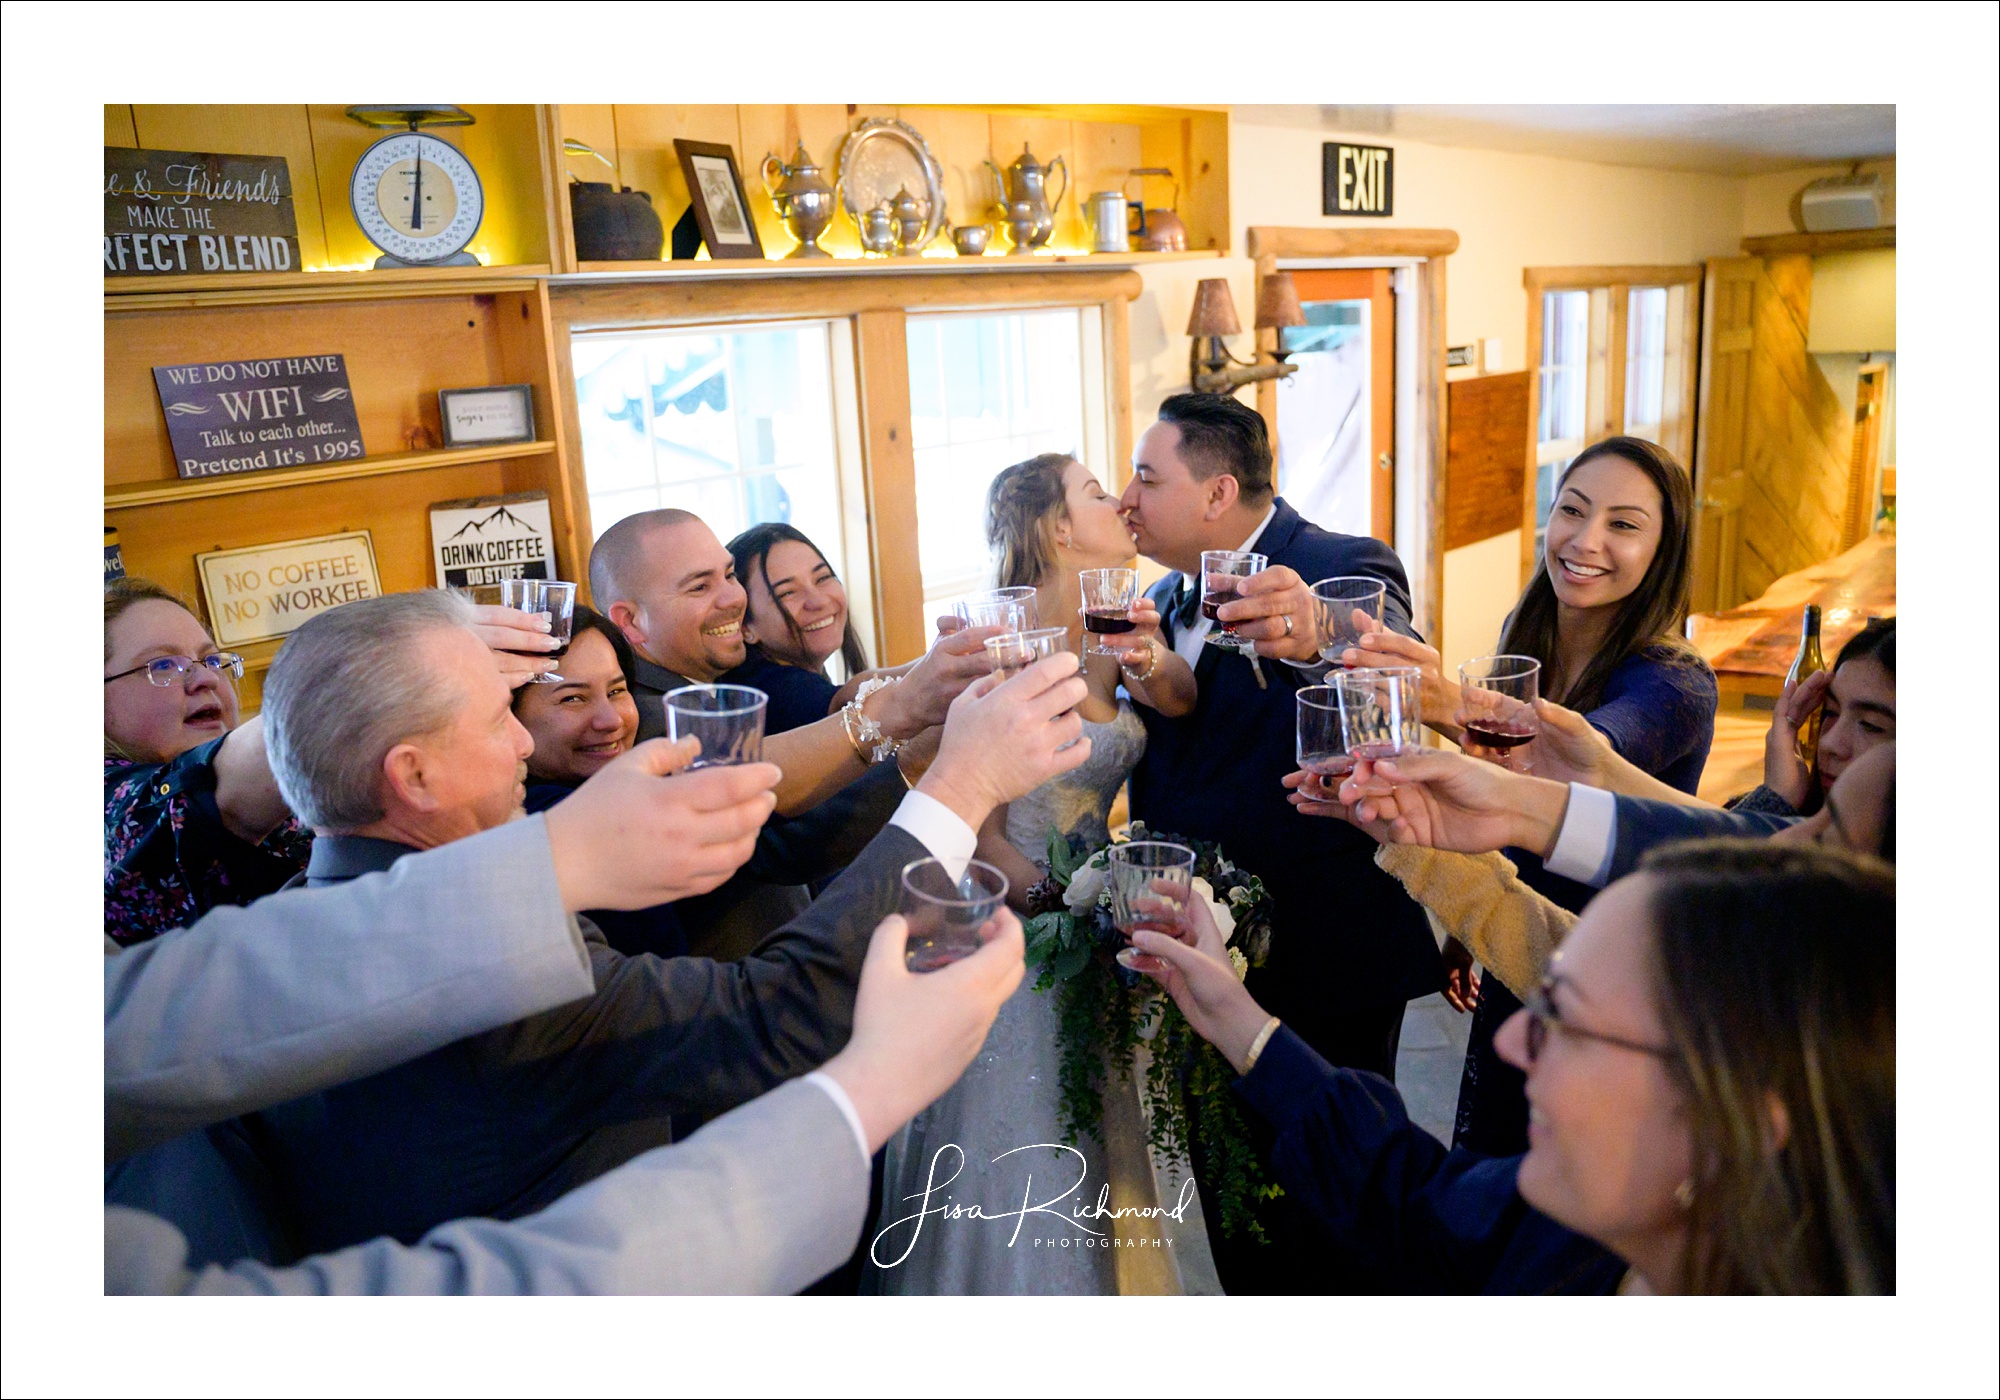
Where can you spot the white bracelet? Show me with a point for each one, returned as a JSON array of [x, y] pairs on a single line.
[[863, 732]]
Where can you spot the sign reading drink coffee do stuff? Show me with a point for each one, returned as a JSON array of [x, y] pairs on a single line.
[[251, 415], [182, 211]]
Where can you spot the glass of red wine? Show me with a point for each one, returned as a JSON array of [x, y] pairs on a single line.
[[1011, 608], [558, 600], [728, 719], [1322, 747], [1152, 886], [1222, 575], [1338, 599], [1108, 596], [1013, 652], [1381, 710], [1496, 708], [946, 915]]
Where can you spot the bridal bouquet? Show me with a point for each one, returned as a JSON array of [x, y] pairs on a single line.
[[1106, 1011]]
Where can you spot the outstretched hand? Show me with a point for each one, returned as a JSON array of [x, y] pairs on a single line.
[[509, 631], [1197, 975], [1568, 748], [1274, 609], [914, 1033], [1428, 797]]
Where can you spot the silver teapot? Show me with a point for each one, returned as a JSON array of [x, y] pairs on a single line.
[[1026, 181], [878, 229], [911, 218], [804, 200]]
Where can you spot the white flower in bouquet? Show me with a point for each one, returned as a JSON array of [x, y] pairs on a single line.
[[1240, 963], [1225, 921], [1090, 881]]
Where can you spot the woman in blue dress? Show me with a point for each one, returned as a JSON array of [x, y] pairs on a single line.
[[797, 621], [1604, 617]]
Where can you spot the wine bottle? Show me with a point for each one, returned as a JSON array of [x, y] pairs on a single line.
[[1804, 664]]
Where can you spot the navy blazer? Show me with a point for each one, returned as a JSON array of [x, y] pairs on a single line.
[[1402, 1214], [1644, 823], [1345, 936]]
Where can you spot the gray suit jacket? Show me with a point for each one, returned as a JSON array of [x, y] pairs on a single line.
[[253, 1006], [502, 1124], [765, 1199]]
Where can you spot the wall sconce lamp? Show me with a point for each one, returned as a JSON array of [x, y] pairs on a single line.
[[1211, 368]]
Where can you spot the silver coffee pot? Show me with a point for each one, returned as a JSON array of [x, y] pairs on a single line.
[[804, 200], [1026, 182]]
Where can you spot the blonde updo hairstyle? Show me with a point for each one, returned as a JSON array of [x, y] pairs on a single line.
[[1024, 506]]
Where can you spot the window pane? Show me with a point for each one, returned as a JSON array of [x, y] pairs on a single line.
[[1645, 361], [1565, 367], [735, 425], [985, 392]]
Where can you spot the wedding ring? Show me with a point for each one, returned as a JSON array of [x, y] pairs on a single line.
[[1288, 624]]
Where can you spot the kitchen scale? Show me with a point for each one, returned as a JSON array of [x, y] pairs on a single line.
[[416, 197]]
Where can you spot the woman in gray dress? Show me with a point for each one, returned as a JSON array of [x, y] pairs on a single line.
[[983, 1193]]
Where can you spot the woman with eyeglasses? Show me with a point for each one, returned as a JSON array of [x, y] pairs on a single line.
[[192, 817], [1711, 1081]]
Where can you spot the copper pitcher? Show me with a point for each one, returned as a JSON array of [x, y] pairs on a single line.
[[1026, 181]]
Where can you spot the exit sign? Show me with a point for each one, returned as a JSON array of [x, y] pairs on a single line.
[[1358, 180]]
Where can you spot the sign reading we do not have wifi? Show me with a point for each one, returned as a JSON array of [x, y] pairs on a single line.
[[270, 590]]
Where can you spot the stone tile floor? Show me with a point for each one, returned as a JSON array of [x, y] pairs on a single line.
[[1428, 1064]]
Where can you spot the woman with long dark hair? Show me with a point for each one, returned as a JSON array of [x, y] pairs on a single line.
[[1603, 615], [1857, 704], [1712, 1067], [797, 620]]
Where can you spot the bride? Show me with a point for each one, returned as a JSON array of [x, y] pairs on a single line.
[[994, 1141]]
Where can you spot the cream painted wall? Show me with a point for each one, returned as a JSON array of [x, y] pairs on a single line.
[[1510, 212]]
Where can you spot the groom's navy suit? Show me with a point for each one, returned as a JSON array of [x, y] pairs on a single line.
[[1349, 948]]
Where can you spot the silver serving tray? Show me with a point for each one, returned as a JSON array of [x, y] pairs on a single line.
[[882, 157]]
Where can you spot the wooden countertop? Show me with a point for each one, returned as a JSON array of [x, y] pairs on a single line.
[[1751, 647]]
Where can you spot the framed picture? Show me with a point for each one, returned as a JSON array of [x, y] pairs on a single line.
[[503, 413], [720, 208]]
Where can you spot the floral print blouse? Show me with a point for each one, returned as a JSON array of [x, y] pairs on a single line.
[[168, 859]]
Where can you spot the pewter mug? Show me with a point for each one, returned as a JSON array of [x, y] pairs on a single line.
[[1027, 180], [1108, 222], [804, 200]]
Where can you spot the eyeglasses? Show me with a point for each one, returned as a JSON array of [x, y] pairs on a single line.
[[168, 670], [1542, 1014]]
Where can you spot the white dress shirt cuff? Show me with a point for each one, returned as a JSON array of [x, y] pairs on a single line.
[[1588, 837], [939, 829], [846, 1107]]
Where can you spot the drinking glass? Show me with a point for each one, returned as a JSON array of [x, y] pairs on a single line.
[[945, 915], [728, 719], [1011, 608], [1222, 575], [1337, 600], [558, 600], [1322, 748], [1381, 710], [1108, 596], [1152, 883], [1496, 708], [1013, 652]]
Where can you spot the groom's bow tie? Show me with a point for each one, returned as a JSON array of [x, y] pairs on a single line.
[[1186, 604]]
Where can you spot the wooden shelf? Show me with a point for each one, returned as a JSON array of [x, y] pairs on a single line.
[[147, 494], [267, 288], [670, 270], [1812, 244]]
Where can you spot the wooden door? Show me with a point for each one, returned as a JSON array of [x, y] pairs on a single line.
[[1859, 518], [1369, 284], [1726, 339]]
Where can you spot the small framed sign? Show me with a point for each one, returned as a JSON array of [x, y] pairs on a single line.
[[184, 211], [488, 538], [252, 415], [503, 413], [721, 210], [1357, 180], [269, 590]]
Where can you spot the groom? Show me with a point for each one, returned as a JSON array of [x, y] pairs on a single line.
[[1348, 948]]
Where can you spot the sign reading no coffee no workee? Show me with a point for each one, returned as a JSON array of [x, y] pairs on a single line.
[[250, 415]]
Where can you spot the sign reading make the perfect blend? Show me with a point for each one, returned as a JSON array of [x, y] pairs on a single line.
[[183, 211], [248, 415]]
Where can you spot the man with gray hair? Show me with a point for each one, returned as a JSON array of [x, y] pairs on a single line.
[[390, 731]]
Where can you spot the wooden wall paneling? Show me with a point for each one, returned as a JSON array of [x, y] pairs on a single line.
[[777, 129], [556, 180], [646, 159], [504, 144], [1484, 467], [1105, 152], [1205, 205], [609, 304], [963, 141], [1166, 143], [882, 346], [399, 354], [119, 129], [248, 129]]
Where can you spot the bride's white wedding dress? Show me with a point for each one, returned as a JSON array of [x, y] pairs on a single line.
[[994, 1145]]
